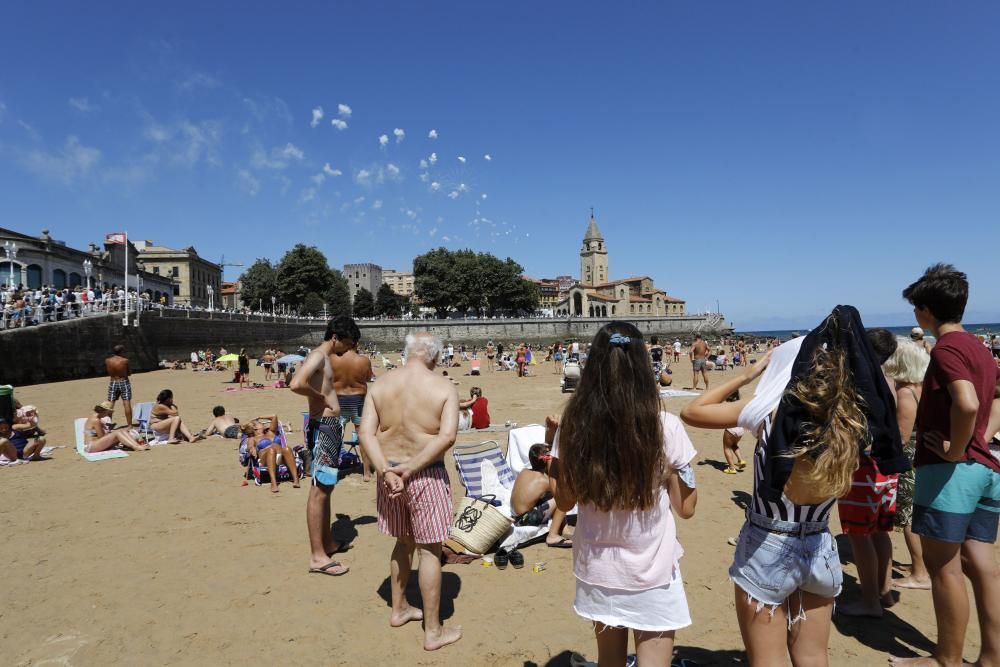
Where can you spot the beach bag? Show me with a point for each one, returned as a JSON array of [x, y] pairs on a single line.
[[478, 525]]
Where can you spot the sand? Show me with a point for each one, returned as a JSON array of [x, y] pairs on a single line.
[[163, 558]]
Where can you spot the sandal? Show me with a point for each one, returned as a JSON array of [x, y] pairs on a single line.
[[500, 560], [516, 559], [729, 471]]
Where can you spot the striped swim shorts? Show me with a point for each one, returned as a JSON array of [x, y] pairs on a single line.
[[423, 511]]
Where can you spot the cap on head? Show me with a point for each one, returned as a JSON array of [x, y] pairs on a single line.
[[104, 406]]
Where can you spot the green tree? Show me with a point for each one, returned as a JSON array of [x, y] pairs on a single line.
[[464, 280], [258, 284], [364, 303], [338, 297], [302, 271], [312, 304], [387, 302], [436, 281]]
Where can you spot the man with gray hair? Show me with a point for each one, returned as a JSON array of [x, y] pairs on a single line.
[[409, 421]]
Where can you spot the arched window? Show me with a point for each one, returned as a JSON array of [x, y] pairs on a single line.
[[631, 308], [612, 309], [75, 280], [34, 276], [59, 279]]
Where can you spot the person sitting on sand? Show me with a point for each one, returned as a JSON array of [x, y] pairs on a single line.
[[19, 441], [531, 499], [99, 439], [477, 409], [223, 424], [731, 443], [166, 418], [264, 445]]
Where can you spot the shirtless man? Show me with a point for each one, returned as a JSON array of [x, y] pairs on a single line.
[[268, 360], [741, 349], [325, 437], [699, 356], [351, 373], [410, 421], [119, 385], [531, 499], [223, 424]]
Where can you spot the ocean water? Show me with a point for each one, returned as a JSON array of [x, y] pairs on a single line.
[[787, 334]]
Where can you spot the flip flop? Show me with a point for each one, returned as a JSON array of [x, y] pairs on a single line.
[[563, 543], [326, 569], [729, 471]]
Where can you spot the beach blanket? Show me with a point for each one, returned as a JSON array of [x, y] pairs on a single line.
[[81, 443], [674, 393]]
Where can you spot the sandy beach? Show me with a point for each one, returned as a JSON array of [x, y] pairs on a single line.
[[164, 558]]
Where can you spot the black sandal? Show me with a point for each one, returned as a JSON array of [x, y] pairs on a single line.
[[516, 559], [500, 560]]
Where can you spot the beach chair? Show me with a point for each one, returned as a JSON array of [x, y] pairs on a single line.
[[143, 414], [259, 473], [81, 443]]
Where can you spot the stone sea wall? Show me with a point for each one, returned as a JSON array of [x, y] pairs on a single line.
[[77, 348]]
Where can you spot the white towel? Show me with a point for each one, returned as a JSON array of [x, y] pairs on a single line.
[[771, 387]]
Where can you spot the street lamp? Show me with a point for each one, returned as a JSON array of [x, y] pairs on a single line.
[[11, 250], [211, 292], [88, 268], [273, 299]]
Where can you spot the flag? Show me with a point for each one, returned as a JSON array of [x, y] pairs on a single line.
[[114, 237]]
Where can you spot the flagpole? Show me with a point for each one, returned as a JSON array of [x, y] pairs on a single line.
[[125, 304]]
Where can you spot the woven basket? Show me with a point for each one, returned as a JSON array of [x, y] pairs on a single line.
[[478, 525]]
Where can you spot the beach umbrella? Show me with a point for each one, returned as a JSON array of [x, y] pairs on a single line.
[[228, 357], [289, 359]]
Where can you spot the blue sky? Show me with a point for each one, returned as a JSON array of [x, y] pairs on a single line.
[[777, 157]]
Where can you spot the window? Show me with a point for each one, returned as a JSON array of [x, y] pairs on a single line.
[[156, 270], [177, 289], [175, 271]]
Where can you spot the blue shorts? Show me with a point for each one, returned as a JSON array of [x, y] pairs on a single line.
[[350, 408], [771, 566], [955, 502]]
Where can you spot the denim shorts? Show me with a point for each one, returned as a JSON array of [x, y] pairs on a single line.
[[771, 566]]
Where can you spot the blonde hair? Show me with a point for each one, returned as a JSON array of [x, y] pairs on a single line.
[[832, 434], [908, 364]]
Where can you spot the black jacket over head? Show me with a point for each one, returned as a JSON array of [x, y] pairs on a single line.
[[842, 329]]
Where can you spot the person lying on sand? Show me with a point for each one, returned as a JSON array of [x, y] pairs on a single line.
[[223, 424], [531, 499]]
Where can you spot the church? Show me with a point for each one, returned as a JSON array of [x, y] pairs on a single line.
[[596, 295]]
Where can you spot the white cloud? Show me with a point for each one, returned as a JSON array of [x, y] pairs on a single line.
[[3, 111], [432, 135], [423, 164], [185, 143], [330, 171], [339, 124], [247, 182], [392, 170], [198, 80], [307, 195], [358, 201], [75, 161], [383, 140], [399, 134], [377, 204], [453, 194], [82, 104], [461, 158], [483, 196], [488, 157], [292, 152], [286, 183], [363, 177], [433, 158], [317, 114], [435, 186], [445, 239], [344, 110], [432, 232], [279, 157], [462, 187], [319, 178], [424, 177]]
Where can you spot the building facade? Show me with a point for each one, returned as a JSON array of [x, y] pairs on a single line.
[[196, 279], [368, 276], [594, 295], [401, 282], [230, 296], [41, 261]]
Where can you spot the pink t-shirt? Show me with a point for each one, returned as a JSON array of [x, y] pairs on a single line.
[[627, 549]]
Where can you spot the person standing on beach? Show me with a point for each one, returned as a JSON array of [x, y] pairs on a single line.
[[325, 438], [351, 373], [119, 385], [409, 422], [957, 487], [677, 350], [244, 368], [699, 357]]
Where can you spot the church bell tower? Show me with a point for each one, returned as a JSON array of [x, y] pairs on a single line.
[[593, 256]]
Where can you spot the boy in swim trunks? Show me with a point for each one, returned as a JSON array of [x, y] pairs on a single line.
[[699, 357], [119, 385], [956, 503], [351, 373], [223, 424]]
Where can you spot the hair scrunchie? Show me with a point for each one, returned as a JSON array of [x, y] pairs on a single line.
[[619, 340]]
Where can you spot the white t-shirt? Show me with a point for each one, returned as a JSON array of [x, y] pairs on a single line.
[[677, 346]]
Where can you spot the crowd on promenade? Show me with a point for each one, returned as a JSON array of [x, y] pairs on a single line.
[[896, 433]]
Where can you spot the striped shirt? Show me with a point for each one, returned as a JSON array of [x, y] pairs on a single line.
[[785, 510]]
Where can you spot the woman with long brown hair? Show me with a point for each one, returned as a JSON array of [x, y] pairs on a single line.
[[821, 401], [626, 465]]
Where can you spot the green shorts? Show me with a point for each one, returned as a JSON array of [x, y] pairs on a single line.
[[955, 502]]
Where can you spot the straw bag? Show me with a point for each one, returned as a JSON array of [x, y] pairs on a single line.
[[478, 525]]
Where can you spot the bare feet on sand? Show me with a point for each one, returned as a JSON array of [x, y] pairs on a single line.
[[274, 488], [444, 636], [913, 583], [402, 618]]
